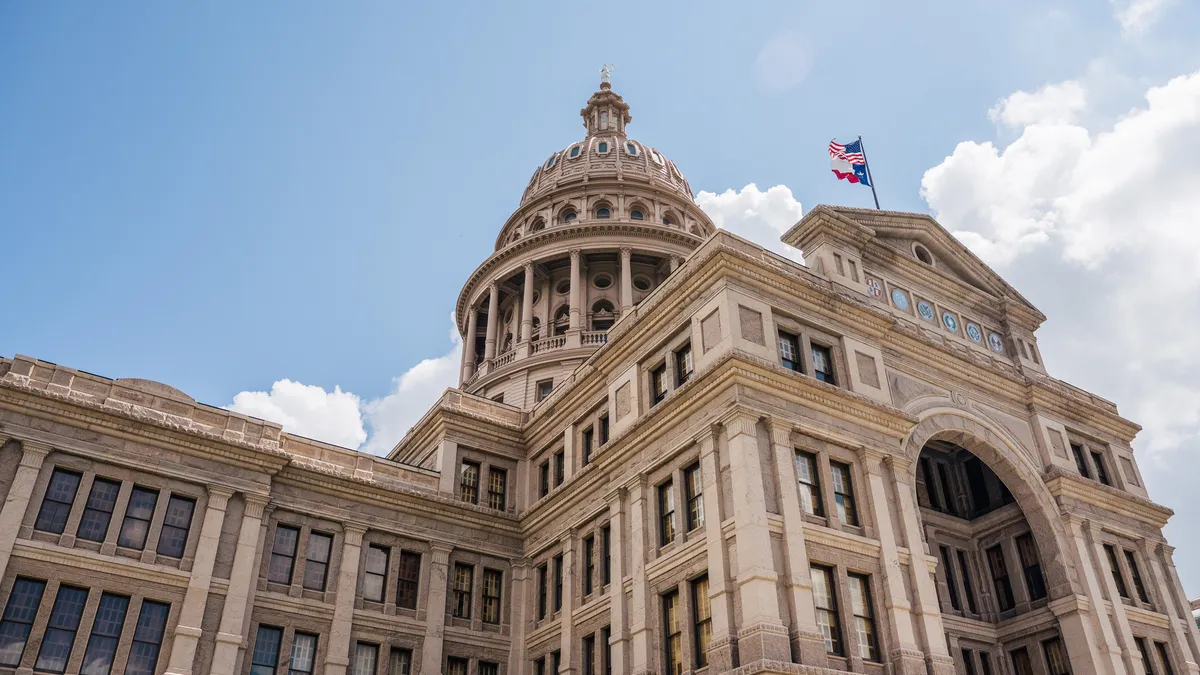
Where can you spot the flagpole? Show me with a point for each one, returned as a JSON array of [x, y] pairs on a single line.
[[863, 147]]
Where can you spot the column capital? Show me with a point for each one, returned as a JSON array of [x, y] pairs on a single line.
[[256, 504], [626, 252], [33, 453], [443, 547], [616, 496], [218, 496], [900, 467], [781, 431], [493, 286], [574, 253], [871, 458], [529, 267], [738, 422], [353, 533]]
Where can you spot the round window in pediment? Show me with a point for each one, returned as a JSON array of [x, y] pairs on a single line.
[[923, 254]]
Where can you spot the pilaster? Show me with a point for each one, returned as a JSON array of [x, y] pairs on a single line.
[[1124, 634], [1174, 605], [618, 606], [1106, 651], [519, 592], [722, 656], [241, 579], [33, 455], [566, 629], [435, 608], [626, 280], [337, 656], [639, 620]]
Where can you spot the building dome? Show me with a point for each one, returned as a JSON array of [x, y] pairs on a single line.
[[600, 225]]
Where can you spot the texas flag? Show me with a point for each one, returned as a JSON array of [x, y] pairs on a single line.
[[848, 162]]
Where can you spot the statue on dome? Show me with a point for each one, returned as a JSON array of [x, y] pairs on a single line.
[[605, 71]]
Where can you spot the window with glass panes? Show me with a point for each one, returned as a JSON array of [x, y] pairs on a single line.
[[810, 484], [304, 654], [558, 582], [864, 616], [138, 514], [497, 488], [1020, 661], [489, 668], [843, 493], [1144, 652], [97, 513], [605, 555], [948, 570], [588, 654], [366, 656], [544, 479], [556, 660], [464, 577], [985, 663], [542, 590], [1056, 657], [825, 602], [400, 662], [695, 496], [19, 614], [702, 620], [375, 569], [672, 633], [283, 554], [658, 384], [968, 584], [1101, 471], [172, 540], [539, 666], [408, 579], [1080, 462], [265, 657], [588, 437], [606, 650], [456, 666], [1031, 566], [789, 352], [603, 423], [56, 505], [468, 482], [666, 513], [683, 364], [1000, 580], [493, 581], [1164, 655], [1118, 578], [560, 465], [59, 637], [1136, 575], [589, 563], [316, 564], [968, 658], [106, 633], [822, 363], [147, 638]]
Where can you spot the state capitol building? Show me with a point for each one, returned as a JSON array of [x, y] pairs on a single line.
[[671, 452]]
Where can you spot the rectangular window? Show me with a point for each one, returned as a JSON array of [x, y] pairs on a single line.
[[968, 658], [588, 433], [683, 365], [366, 655], [558, 582], [543, 479], [587, 655], [556, 660], [985, 663], [493, 583], [968, 585], [1004, 593], [825, 602], [138, 515], [304, 654], [951, 587], [603, 429], [543, 583], [147, 638], [589, 563], [19, 614], [864, 616], [658, 384], [408, 580], [606, 650], [97, 513], [400, 662], [1101, 471], [172, 540], [1056, 657], [497, 488], [1144, 651], [695, 498], [672, 634], [810, 483], [1031, 566], [375, 570], [605, 555], [702, 620], [265, 657], [456, 666], [316, 565], [1020, 661], [539, 666], [106, 632], [544, 389], [59, 637], [1115, 568], [1080, 462], [1138, 585], [949, 496], [822, 364], [468, 482], [1164, 655], [560, 468], [843, 493], [789, 352], [56, 505], [928, 480], [666, 514], [464, 577], [488, 668]]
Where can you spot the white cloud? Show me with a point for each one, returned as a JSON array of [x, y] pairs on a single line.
[[1136, 16], [761, 217], [307, 410], [1052, 104], [783, 62]]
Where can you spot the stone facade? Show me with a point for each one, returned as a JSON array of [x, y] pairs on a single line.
[[860, 464]]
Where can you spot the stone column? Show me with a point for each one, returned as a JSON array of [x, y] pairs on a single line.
[[806, 637], [1124, 633], [519, 592], [527, 310], [639, 621], [762, 635], [626, 280], [926, 611], [1173, 604], [617, 606], [338, 654], [566, 630], [33, 454], [1107, 652], [906, 657], [191, 613], [435, 608], [576, 294], [493, 326], [469, 346], [676, 261], [721, 656], [242, 578]]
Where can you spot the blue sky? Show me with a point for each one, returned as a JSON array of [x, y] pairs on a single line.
[[222, 196]]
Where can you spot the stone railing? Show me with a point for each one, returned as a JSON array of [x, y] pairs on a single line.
[[594, 337], [504, 359], [548, 344]]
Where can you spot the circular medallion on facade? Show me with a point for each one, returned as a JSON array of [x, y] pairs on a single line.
[[950, 322], [925, 310], [900, 299], [974, 333], [874, 289], [996, 343]]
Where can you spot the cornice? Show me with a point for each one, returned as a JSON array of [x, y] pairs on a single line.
[[1065, 485]]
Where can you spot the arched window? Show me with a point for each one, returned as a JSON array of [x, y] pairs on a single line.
[[603, 212], [562, 319], [667, 220], [574, 152], [602, 307], [537, 327], [538, 225], [569, 216], [637, 212], [552, 161], [631, 149], [603, 316], [507, 343], [604, 121]]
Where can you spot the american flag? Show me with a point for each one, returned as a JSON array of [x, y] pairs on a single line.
[[850, 152]]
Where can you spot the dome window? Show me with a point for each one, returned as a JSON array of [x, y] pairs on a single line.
[[604, 121], [552, 161], [641, 283], [603, 212], [631, 149], [563, 287], [636, 215], [655, 156], [667, 220], [602, 281], [538, 225], [602, 148], [569, 216], [574, 152]]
